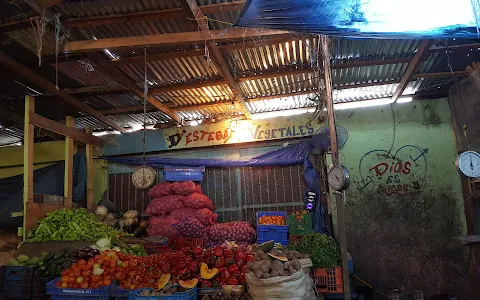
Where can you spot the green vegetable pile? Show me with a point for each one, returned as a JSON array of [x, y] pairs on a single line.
[[323, 250], [75, 224]]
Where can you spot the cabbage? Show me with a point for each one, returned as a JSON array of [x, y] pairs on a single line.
[[104, 243]]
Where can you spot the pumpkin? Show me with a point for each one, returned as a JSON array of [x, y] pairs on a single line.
[[188, 284], [206, 272], [280, 258], [162, 282]]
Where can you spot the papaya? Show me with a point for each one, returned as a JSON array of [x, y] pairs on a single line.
[[280, 258], [188, 284], [162, 282], [206, 272]]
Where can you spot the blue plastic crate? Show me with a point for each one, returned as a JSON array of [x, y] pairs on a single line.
[[102, 293], [16, 282], [188, 295], [183, 173], [276, 233], [117, 293]]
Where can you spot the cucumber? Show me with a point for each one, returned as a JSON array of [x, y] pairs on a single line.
[[48, 257], [52, 270]]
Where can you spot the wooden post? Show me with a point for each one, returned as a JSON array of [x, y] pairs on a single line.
[[90, 175], [335, 160], [67, 190], [27, 159]]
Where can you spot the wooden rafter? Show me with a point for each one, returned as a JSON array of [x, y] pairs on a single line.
[[169, 38], [412, 66], [47, 85], [124, 80], [126, 18], [440, 74], [16, 118], [192, 9], [158, 57], [186, 86]]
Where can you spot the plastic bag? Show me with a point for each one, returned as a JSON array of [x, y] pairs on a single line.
[[298, 286], [183, 187], [198, 200], [163, 226], [163, 206], [161, 190]]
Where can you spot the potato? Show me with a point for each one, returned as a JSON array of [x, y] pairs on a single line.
[[285, 266], [258, 274], [274, 274], [291, 270], [268, 263], [265, 269], [250, 265], [264, 256], [266, 275], [297, 265], [281, 272], [256, 257]]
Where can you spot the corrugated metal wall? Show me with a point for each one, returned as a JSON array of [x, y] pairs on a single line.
[[238, 193]]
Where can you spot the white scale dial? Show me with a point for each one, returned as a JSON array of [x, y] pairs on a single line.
[[469, 164], [143, 177]]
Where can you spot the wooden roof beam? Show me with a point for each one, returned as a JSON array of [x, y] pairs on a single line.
[[192, 9], [440, 74], [412, 66], [47, 85], [169, 38], [124, 80]]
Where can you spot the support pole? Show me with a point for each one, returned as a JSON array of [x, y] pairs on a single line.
[[336, 162], [68, 190], [90, 175], [27, 160]]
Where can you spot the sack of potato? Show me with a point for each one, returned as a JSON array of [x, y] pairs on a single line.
[[278, 274]]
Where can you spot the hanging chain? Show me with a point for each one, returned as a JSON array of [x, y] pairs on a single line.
[[145, 95]]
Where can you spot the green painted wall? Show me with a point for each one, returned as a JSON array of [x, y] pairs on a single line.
[[403, 208]]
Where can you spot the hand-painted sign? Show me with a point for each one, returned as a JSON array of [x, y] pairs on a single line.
[[231, 132], [400, 172]]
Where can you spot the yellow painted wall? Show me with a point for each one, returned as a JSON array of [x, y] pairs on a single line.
[[11, 158]]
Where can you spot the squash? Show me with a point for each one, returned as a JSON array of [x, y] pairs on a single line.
[[130, 214], [101, 210], [188, 284], [265, 247], [206, 272], [280, 258], [162, 282]]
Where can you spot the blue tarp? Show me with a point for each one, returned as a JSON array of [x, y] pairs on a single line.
[[48, 180], [290, 155], [366, 18]]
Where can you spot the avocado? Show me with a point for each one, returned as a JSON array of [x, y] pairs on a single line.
[[12, 262], [23, 258]]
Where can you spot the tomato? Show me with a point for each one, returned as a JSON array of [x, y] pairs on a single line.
[[95, 278], [82, 262], [58, 283], [79, 279], [107, 282], [84, 285], [71, 279], [77, 273], [113, 265], [66, 271], [71, 274], [75, 285], [121, 277], [132, 263], [132, 287], [64, 279], [86, 273], [64, 285], [100, 261]]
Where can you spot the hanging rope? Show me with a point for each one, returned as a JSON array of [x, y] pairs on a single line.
[[39, 24], [59, 39]]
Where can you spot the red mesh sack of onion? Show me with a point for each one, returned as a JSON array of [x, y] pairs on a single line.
[[163, 226], [204, 215], [190, 227], [161, 190], [240, 232], [198, 200], [183, 187], [163, 206]]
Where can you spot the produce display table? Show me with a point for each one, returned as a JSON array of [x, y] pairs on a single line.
[[32, 249]]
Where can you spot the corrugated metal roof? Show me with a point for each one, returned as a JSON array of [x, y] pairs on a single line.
[[298, 52]]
